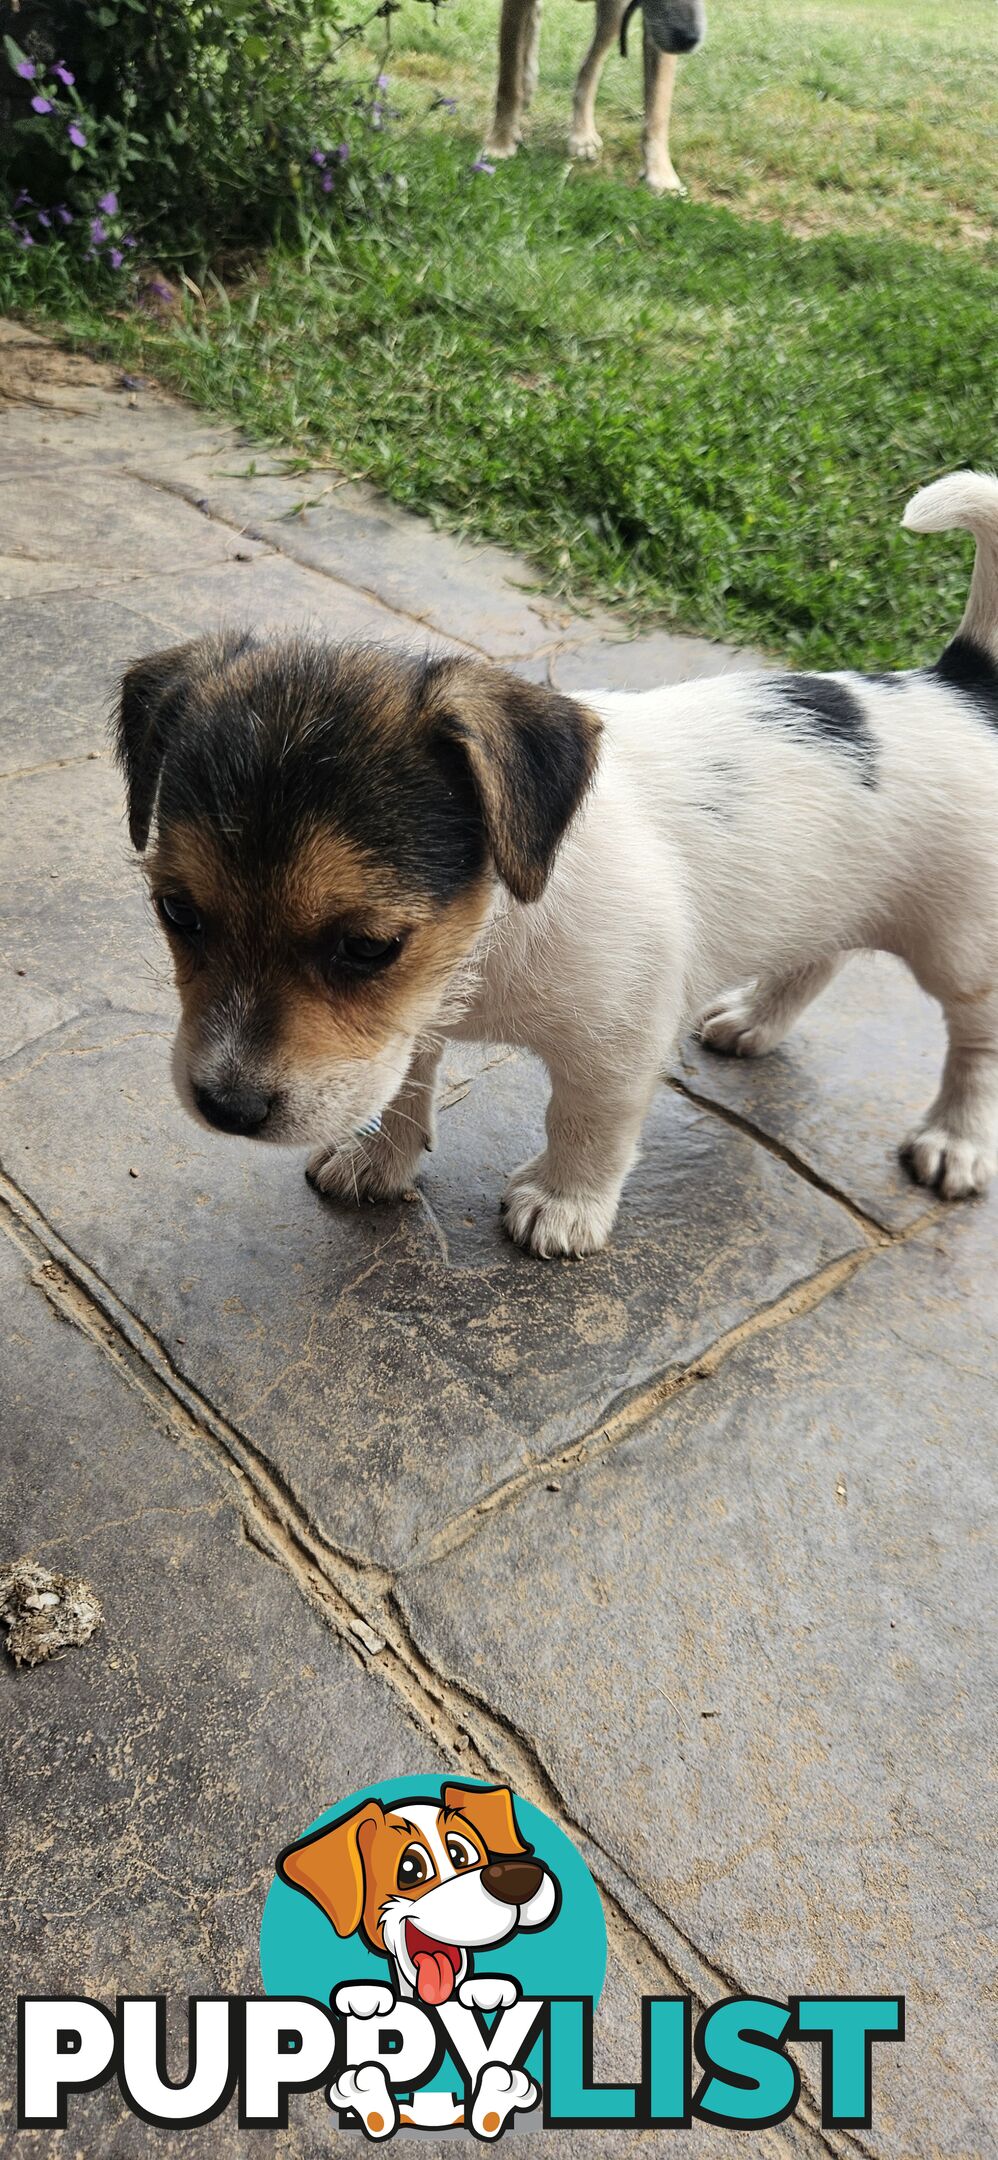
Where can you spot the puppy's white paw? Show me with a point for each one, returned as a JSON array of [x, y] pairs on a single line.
[[737, 1027], [488, 1991], [363, 1999], [499, 2093], [369, 1169], [555, 1225], [367, 2092], [954, 1167], [586, 144]]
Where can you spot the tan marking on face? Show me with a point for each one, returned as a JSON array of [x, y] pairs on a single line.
[[322, 1023], [187, 859], [330, 878], [316, 1022]]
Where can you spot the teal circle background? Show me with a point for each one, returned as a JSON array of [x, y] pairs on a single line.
[[301, 1953]]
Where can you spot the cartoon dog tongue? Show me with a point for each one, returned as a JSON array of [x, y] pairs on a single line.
[[434, 1975]]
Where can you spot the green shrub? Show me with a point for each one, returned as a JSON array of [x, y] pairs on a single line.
[[188, 126]]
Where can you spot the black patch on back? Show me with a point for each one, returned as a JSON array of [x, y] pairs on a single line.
[[967, 667], [832, 712]]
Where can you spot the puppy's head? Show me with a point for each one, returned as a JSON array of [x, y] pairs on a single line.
[[325, 828], [427, 1882]]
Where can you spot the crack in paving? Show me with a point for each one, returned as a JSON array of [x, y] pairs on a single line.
[[880, 1233], [546, 649], [358, 1600]]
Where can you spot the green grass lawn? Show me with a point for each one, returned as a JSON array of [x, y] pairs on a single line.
[[710, 412]]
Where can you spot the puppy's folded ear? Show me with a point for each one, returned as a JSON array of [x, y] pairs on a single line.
[[153, 697], [489, 1808], [329, 1866], [531, 755]]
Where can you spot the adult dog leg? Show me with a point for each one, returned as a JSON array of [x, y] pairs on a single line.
[[519, 32], [749, 1022], [584, 140], [955, 1147], [565, 1201], [660, 81], [382, 1165]]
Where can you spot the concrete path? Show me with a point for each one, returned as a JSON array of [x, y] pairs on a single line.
[[692, 1543]]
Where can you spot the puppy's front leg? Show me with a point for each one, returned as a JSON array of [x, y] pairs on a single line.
[[382, 1165], [565, 1201]]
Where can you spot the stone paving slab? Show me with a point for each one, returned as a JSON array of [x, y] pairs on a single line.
[[45, 529], [76, 929], [398, 1362], [743, 1553], [768, 1613], [151, 1777], [862, 1063], [347, 531]]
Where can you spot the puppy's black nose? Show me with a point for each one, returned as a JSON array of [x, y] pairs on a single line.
[[513, 1882], [239, 1109], [681, 41]]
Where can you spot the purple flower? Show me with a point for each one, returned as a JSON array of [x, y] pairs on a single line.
[[343, 152], [41, 104], [44, 219], [64, 216], [108, 202], [21, 199], [482, 165], [128, 240], [76, 135], [444, 104], [115, 258], [327, 183], [382, 82], [64, 74], [24, 238], [98, 234], [318, 157], [27, 70]]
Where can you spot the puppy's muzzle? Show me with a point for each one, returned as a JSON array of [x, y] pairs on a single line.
[[513, 1882], [234, 1110]]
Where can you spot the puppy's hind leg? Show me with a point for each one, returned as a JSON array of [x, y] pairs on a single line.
[[752, 1021], [955, 1148]]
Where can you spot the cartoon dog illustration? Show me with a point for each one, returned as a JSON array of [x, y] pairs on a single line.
[[426, 1884]]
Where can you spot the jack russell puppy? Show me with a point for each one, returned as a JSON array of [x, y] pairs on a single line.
[[357, 856], [426, 1884]]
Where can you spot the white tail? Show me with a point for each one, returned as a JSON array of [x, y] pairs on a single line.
[[968, 500]]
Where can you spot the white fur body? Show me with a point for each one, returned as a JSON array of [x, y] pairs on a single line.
[[729, 840]]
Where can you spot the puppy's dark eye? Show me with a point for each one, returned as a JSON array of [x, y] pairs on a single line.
[[413, 1868], [355, 955], [179, 914]]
